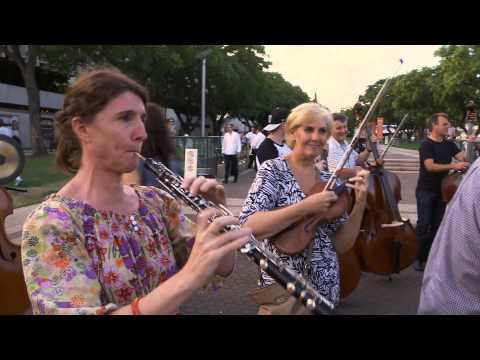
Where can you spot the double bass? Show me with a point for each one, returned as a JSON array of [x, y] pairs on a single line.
[[13, 293], [451, 182], [387, 242]]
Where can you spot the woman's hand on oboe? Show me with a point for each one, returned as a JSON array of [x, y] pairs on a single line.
[[212, 244], [210, 189]]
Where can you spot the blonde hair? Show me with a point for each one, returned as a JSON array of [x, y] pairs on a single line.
[[303, 114]]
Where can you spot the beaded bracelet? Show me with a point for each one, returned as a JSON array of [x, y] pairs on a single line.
[[135, 307]]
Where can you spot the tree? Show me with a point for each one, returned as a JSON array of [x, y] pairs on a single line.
[[237, 81], [459, 75], [417, 94], [27, 63]]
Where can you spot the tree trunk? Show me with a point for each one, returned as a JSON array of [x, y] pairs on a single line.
[[27, 68], [38, 146]]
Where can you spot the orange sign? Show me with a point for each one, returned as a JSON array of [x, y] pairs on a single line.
[[379, 129], [191, 156]]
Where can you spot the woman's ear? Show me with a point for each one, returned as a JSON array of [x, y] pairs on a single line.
[[81, 130]]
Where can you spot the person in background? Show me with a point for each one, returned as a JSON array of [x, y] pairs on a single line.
[[250, 136], [436, 155], [231, 147], [337, 146], [274, 145], [158, 145]]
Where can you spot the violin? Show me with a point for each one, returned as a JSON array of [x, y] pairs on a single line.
[[450, 184], [304, 231], [13, 292], [452, 181]]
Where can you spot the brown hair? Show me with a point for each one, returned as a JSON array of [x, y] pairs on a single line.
[[159, 143], [85, 98], [433, 120]]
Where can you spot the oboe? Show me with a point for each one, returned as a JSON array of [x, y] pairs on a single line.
[[293, 282]]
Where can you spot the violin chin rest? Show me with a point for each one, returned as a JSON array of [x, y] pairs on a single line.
[[392, 225]]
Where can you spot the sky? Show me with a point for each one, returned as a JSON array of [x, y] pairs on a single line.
[[340, 73]]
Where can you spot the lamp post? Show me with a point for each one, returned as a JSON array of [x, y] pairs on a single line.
[[204, 80], [203, 55]]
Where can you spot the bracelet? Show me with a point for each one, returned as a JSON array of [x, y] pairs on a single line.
[[135, 307]]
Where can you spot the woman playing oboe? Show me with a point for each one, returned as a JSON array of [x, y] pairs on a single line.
[[100, 247]]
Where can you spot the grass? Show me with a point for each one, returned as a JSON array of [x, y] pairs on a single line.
[[40, 178], [410, 146]]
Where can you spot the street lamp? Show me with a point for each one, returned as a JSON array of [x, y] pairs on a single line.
[[203, 55]]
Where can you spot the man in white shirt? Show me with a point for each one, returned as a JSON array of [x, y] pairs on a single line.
[[250, 136], [337, 145], [231, 147], [257, 140]]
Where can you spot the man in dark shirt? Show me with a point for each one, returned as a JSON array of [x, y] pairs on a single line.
[[435, 162], [273, 146]]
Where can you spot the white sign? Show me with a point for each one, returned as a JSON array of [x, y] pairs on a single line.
[[191, 157]]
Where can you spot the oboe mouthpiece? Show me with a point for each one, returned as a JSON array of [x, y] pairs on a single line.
[[140, 156]]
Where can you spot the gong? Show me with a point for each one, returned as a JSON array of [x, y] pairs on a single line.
[[12, 159]]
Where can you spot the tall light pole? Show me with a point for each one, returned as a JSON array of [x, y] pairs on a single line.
[[203, 55], [204, 80]]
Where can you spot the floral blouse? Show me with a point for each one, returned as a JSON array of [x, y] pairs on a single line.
[[77, 260]]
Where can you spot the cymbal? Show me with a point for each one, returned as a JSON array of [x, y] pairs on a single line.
[[12, 159]]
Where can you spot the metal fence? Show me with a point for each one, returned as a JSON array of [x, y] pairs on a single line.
[[209, 153]]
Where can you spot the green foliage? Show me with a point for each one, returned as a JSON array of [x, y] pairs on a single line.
[[238, 82], [443, 88], [47, 80]]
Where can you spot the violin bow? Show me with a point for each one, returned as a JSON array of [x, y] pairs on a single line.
[[393, 136], [333, 178]]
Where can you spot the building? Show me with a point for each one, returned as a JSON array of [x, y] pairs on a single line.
[[14, 106]]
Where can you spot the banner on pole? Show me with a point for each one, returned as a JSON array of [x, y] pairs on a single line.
[[191, 157]]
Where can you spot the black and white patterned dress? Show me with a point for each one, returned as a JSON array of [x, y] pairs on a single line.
[[275, 186]]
